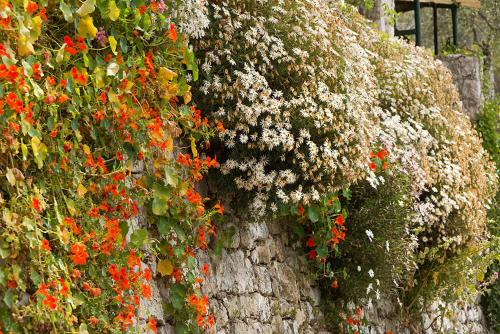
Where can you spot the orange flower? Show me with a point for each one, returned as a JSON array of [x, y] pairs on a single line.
[[210, 320], [45, 245], [205, 269], [172, 33], [334, 284], [79, 254], [146, 290], [220, 126], [62, 98], [193, 197], [50, 301], [35, 203], [31, 7], [152, 324], [93, 321], [218, 207], [95, 292]]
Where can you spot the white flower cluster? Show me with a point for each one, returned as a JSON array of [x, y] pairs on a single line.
[[297, 97], [305, 90], [191, 16]]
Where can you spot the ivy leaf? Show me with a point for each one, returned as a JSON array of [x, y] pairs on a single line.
[[86, 8], [171, 176], [165, 267], [138, 237], [112, 44], [66, 10], [164, 226], [114, 11], [313, 214], [8, 298], [159, 206]]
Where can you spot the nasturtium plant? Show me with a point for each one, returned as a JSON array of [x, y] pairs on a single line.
[[100, 151]]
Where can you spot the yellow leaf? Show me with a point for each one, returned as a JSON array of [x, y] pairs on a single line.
[[165, 75], [81, 190], [86, 8], [112, 43], [70, 204], [86, 27], [24, 47], [114, 11], [86, 149], [193, 148], [129, 86], [170, 144], [98, 75], [36, 28], [165, 267], [39, 151]]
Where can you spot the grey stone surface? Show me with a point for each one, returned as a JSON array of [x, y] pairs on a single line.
[[467, 78], [257, 282], [379, 15]]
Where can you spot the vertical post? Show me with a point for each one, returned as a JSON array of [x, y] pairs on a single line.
[[418, 33], [454, 20], [435, 22]]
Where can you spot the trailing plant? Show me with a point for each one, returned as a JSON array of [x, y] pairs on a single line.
[[94, 105]]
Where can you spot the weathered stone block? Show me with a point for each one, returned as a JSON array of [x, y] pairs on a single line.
[[234, 273], [252, 232], [466, 73]]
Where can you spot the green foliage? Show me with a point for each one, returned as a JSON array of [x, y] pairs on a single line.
[[386, 213], [490, 301], [489, 125]]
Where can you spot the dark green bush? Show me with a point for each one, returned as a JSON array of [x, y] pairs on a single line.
[[489, 128]]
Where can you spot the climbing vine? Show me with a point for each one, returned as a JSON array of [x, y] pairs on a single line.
[[96, 185]]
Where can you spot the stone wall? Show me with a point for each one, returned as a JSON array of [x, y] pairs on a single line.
[[260, 284], [466, 72]]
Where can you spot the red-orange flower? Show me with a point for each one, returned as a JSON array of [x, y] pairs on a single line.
[[172, 33], [45, 245], [35, 203], [31, 7], [205, 269], [79, 254], [310, 242], [152, 324]]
